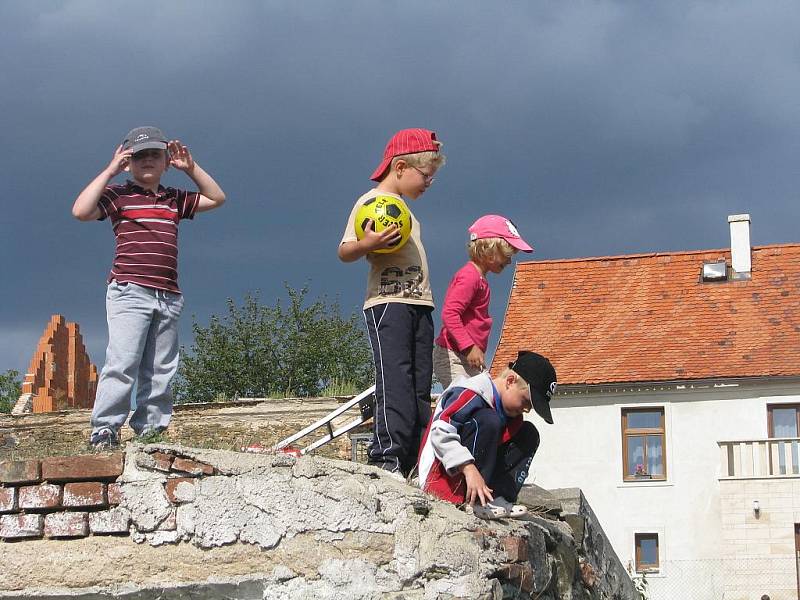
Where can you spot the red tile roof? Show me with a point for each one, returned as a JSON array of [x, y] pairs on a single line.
[[648, 317]]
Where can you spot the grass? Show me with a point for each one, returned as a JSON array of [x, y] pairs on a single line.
[[340, 387]]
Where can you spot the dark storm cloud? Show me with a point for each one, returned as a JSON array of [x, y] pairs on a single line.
[[600, 128]]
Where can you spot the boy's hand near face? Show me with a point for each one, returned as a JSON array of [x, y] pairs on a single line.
[[477, 490], [211, 195], [180, 157], [119, 162], [85, 207]]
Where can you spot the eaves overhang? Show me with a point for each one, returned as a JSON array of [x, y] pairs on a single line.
[[681, 385]]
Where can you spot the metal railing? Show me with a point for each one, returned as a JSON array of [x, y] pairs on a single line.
[[750, 459]]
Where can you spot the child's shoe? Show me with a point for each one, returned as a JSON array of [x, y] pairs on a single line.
[[104, 438], [499, 508], [151, 435]]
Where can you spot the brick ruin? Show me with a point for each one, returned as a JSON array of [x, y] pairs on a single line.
[[78, 496], [61, 497], [60, 375]]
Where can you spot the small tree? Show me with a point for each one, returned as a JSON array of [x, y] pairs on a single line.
[[257, 351], [10, 389]]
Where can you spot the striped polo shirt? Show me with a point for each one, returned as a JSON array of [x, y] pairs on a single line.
[[146, 231]]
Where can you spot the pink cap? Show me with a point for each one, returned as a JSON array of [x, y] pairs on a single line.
[[489, 226], [405, 141]]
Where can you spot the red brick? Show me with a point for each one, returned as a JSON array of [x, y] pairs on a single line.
[[19, 471], [84, 494], [8, 497], [60, 373], [114, 494], [66, 524], [163, 461], [192, 466], [519, 575], [113, 521], [526, 581], [588, 574], [511, 572], [516, 548], [37, 497], [183, 496], [13, 527], [83, 468]]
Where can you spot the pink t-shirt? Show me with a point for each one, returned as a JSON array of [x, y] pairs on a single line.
[[465, 314]]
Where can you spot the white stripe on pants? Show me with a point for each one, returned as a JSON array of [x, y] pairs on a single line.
[[401, 336]]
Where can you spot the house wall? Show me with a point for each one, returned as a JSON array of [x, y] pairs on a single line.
[[584, 449], [765, 539]]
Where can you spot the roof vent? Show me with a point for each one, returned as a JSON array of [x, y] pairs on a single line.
[[714, 271]]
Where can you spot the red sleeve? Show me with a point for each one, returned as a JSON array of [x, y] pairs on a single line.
[[459, 296]]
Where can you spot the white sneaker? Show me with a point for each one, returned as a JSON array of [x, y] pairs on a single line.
[[499, 508]]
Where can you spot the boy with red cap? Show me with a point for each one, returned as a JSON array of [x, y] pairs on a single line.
[[398, 303], [478, 447], [466, 324]]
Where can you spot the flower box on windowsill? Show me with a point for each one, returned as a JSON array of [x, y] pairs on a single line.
[[642, 476]]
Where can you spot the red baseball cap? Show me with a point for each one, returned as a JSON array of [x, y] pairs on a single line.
[[406, 141], [489, 226]]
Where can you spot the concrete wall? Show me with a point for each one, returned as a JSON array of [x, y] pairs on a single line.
[[584, 449], [209, 523]]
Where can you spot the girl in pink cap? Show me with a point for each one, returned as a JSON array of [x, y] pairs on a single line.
[[461, 346]]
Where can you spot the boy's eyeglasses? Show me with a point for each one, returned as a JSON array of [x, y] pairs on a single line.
[[428, 178]]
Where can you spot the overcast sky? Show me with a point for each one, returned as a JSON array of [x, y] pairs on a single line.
[[600, 128]]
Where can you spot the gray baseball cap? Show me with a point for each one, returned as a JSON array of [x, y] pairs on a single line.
[[142, 138]]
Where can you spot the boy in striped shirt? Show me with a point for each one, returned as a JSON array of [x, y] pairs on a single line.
[[143, 300], [478, 447]]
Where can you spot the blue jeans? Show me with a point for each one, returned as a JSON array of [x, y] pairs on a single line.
[[142, 348]]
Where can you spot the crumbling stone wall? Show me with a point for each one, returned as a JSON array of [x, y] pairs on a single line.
[[60, 374], [210, 524]]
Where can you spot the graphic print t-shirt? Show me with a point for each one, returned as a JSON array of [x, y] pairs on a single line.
[[400, 276]]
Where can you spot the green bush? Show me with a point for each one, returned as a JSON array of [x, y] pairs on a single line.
[[10, 389], [299, 349]]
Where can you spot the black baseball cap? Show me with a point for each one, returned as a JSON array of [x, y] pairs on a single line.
[[142, 138], [541, 376]]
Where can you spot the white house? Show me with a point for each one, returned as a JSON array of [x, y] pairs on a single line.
[[678, 408]]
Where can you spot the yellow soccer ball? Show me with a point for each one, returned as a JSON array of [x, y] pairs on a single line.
[[385, 211]]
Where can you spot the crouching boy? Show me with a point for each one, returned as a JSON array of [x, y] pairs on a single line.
[[478, 447]]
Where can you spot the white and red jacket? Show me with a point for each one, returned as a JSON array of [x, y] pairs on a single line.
[[441, 452]]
